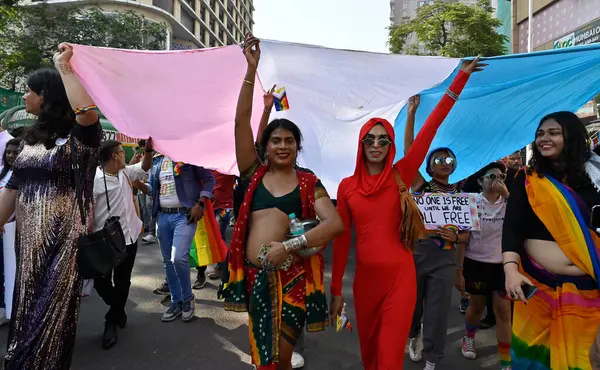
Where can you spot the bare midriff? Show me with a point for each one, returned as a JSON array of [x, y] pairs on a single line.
[[549, 255], [266, 226]]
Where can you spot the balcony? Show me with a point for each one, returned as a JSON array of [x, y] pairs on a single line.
[[166, 5]]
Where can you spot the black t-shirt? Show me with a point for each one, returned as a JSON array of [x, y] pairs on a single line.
[[521, 222]]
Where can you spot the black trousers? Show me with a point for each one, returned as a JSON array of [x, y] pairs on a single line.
[[114, 288]]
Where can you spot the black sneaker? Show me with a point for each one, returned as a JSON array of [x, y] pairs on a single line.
[[162, 290], [200, 281], [109, 338], [172, 313], [189, 309], [464, 304]]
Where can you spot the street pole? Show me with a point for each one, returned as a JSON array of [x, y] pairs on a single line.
[[529, 151]]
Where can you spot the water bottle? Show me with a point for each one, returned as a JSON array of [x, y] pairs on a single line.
[[296, 227]]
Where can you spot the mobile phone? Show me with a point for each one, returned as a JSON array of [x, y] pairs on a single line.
[[595, 217], [528, 290]]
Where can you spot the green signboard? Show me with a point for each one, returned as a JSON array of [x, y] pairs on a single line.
[[9, 99]]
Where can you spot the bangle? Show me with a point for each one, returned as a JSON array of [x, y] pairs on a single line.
[[507, 262], [452, 94], [148, 150], [294, 244], [81, 110], [459, 268], [249, 82], [457, 239], [267, 111]]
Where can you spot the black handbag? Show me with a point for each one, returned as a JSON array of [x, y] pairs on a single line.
[[98, 253]]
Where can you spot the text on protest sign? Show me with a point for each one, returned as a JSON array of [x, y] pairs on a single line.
[[458, 210]]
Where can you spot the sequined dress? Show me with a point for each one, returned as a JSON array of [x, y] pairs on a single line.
[[47, 283]]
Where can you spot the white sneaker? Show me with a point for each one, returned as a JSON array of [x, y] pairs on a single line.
[[468, 348], [429, 366], [149, 239], [3, 319], [415, 348], [297, 361]]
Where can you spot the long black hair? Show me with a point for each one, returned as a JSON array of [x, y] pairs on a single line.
[[5, 166], [282, 123], [56, 118], [571, 162]]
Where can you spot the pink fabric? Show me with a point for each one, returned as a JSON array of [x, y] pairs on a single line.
[[143, 92]]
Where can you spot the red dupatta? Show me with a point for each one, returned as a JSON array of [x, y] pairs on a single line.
[[234, 290]]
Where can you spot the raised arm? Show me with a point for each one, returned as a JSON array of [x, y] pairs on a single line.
[[264, 118], [82, 104], [415, 153], [244, 143], [409, 136]]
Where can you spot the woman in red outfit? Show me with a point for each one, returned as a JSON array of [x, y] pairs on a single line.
[[385, 277]]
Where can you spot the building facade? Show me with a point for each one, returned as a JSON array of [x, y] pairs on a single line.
[[558, 24], [192, 24], [402, 10]]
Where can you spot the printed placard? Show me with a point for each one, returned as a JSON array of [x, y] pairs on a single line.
[[458, 210]]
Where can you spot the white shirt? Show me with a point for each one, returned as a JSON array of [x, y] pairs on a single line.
[[4, 138], [486, 245], [120, 195], [3, 182], [168, 193]]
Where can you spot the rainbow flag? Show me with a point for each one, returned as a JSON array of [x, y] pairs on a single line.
[[280, 99], [208, 246]]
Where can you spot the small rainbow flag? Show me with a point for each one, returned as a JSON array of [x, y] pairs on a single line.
[[208, 246], [280, 99], [177, 168]]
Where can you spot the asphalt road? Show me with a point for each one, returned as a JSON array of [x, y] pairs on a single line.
[[217, 339]]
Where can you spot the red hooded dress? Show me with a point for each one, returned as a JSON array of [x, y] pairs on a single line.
[[385, 278]]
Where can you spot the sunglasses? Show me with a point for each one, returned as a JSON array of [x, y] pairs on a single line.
[[493, 176], [383, 142], [441, 160]]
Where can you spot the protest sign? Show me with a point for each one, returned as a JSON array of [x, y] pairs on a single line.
[[458, 210]]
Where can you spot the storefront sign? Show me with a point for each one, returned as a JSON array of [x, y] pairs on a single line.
[[114, 135], [589, 34], [438, 210], [565, 42]]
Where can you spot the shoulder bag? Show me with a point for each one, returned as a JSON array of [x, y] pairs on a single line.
[[98, 253]]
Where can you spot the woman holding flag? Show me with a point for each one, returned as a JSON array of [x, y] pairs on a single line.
[[279, 288], [387, 222]]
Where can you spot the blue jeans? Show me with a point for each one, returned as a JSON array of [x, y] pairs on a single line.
[[175, 233]]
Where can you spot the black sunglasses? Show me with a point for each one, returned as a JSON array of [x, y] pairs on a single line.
[[383, 142], [441, 160]]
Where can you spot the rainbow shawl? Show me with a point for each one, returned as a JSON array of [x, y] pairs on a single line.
[[234, 288], [557, 327]]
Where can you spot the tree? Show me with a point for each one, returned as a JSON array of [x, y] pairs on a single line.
[[29, 35], [450, 29]]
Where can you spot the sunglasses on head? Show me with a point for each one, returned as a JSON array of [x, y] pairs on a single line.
[[493, 176], [383, 142], [441, 160]]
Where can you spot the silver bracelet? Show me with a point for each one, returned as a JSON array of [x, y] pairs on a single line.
[[294, 244], [452, 94]]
